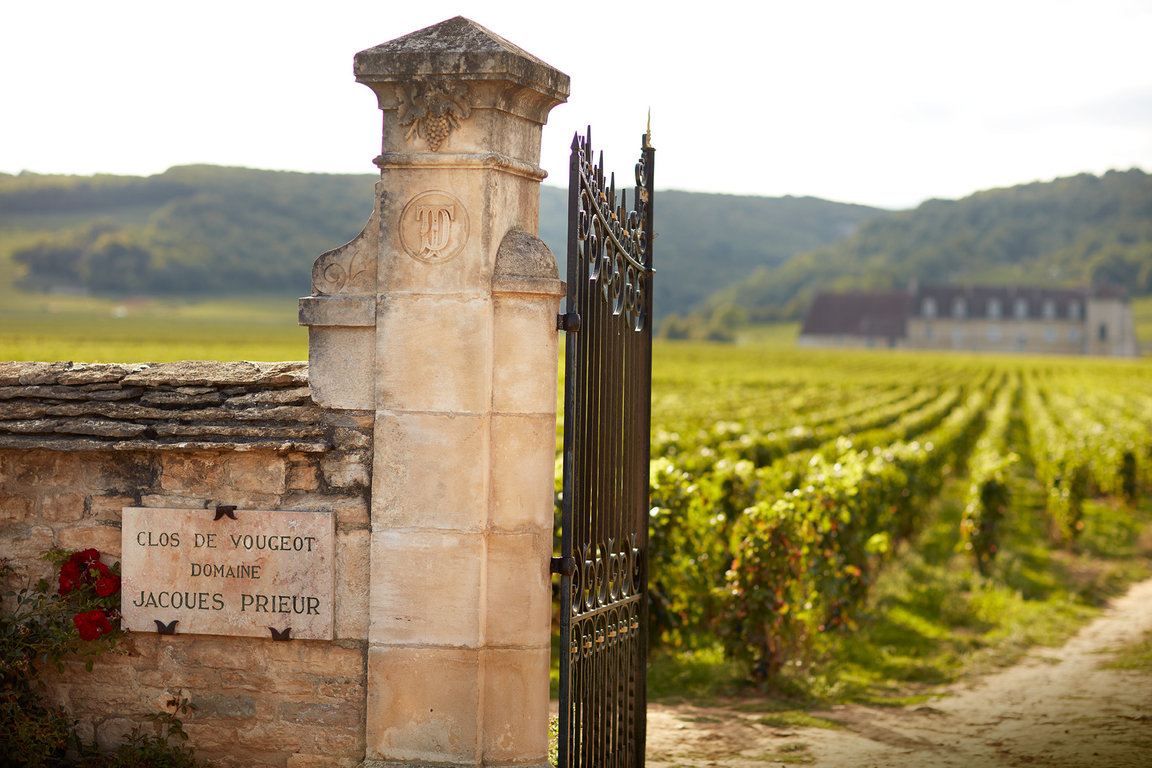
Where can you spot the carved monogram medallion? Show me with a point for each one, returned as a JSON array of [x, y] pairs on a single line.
[[434, 227]]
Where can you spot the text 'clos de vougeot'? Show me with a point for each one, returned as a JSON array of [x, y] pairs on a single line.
[[247, 573]]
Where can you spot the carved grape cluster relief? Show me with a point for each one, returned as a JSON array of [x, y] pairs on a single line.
[[433, 107]]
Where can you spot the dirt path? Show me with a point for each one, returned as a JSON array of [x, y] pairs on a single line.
[[1057, 708]]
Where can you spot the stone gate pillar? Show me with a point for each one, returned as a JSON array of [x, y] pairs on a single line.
[[441, 318]]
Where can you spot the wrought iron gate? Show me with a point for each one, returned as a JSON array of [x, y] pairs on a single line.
[[607, 412]]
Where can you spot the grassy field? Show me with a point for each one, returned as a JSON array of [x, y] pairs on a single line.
[[91, 330]]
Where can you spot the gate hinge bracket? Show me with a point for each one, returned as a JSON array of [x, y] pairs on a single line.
[[565, 566], [568, 322]]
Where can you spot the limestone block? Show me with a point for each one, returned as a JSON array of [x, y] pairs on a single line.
[[303, 475], [14, 508], [423, 717], [426, 588], [105, 699], [341, 365], [347, 439], [527, 293], [218, 374], [189, 680], [526, 348], [105, 538], [523, 472], [29, 469], [321, 761], [256, 681], [354, 420], [295, 395], [353, 566], [107, 509], [338, 742], [327, 659], [85, 731], [518, 606], [192, 473], [350, 509], [214, 738], [435, 353], [62, 507], [345, 470], [412, 488], [110, 733], [243, 499], [162, 398], [13, 410], [515, 709], [217, 705], [174, 500], [239, 757], [340, 689], [123, 473], [264, 472], [13, 373], [321, 713], [181, 652], [23, 544], [303, 737]]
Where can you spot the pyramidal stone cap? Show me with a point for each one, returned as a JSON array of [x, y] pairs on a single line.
[[463, 48]]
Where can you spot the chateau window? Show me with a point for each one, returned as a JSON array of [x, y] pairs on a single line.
[[929, 307], [927, 331], [1102, 332], [957, 336], [1073, 310], [1049, 334], [994, 309], [993, 333], [959, 307], [1073, 334], [1021, 308], [1049, 309]]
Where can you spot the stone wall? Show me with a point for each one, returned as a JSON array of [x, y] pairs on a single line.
[[80, 442]]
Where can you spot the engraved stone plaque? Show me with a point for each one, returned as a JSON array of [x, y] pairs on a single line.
[[252, 576]]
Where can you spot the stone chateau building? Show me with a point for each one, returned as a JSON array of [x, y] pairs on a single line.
[[1018, 319]]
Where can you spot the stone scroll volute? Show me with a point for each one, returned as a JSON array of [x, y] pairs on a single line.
[[351, 268]]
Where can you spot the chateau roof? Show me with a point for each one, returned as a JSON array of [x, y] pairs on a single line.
[[865, 313]]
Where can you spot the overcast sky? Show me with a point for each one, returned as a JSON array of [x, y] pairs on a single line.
[[882, 102]]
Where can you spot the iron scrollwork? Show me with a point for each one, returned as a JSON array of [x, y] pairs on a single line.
[[604, 528], [613, 239]]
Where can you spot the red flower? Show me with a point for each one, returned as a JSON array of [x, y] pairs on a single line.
[[95, 571], [85, 558], [92, 624], [107, 585], [70, 576]]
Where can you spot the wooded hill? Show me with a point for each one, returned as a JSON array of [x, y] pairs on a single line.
[[723, 259], [206, 229], [1078, 230], [190, 230]]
